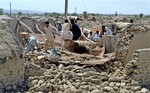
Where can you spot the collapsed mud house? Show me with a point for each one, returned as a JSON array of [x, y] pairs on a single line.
[[79, 73]]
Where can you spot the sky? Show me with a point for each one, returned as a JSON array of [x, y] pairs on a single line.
[[91, 6]]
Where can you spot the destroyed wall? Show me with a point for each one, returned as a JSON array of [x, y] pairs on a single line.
[[28, 21], [11, 64], [139, 66], [129, 40], [12, 24]]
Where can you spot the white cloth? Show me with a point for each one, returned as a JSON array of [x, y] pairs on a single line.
[[108, 31], [32, 40], [31, 44], [66, 34], [96, 37], [49, 33], [90, 36]]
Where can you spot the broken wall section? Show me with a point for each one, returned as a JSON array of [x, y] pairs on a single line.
[[139, 67], [131, 38]]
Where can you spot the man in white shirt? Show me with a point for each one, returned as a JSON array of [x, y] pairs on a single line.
[[49, 34], [97, 36], [90, 35], [106, 31]]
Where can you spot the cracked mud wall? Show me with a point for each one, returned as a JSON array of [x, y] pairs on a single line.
[[11, 64]]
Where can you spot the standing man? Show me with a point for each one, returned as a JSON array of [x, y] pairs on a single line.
[[49, 34], [75, 30], [59, 27]]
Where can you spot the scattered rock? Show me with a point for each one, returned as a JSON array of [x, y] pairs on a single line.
[[8, 88], [144, 90], [107, 89], [95, 91], [136, 88], [115, 88], [112, 84], [123, 84], [118, 84], [124, 91]]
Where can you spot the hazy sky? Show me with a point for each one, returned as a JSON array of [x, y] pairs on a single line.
[[94, 6]]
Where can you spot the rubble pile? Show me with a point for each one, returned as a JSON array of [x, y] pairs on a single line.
[[61, 78]]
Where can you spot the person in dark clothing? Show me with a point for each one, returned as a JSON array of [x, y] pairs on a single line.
[[75, 30]]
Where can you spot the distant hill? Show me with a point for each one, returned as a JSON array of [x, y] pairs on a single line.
[[23, 11]]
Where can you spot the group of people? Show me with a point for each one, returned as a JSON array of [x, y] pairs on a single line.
[[69, 30], [98, 35]]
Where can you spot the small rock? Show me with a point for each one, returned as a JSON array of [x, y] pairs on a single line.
[[125, 81], [77, 61], [104, 79], [42, 87], [60, 66], [123, 84], [67, 91], [144, 90], [134, 83], [112, 84], [136, 88], [127, 87], [58, 76], [104, 74], [104, 84], [95, 91], [95, 80], [39, 92], [2, 91], [8, 88], [40, 57], [124, 91], [107, 88], [60, 92], [26, 92], [41, 81], [34, 81], [84, 87], [80, 74], [73, 89], [14, 87], [118, 84], [115, 88]]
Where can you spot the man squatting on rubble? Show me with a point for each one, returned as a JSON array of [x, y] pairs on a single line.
[[31, 44], [98, 35], [49, 34]]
